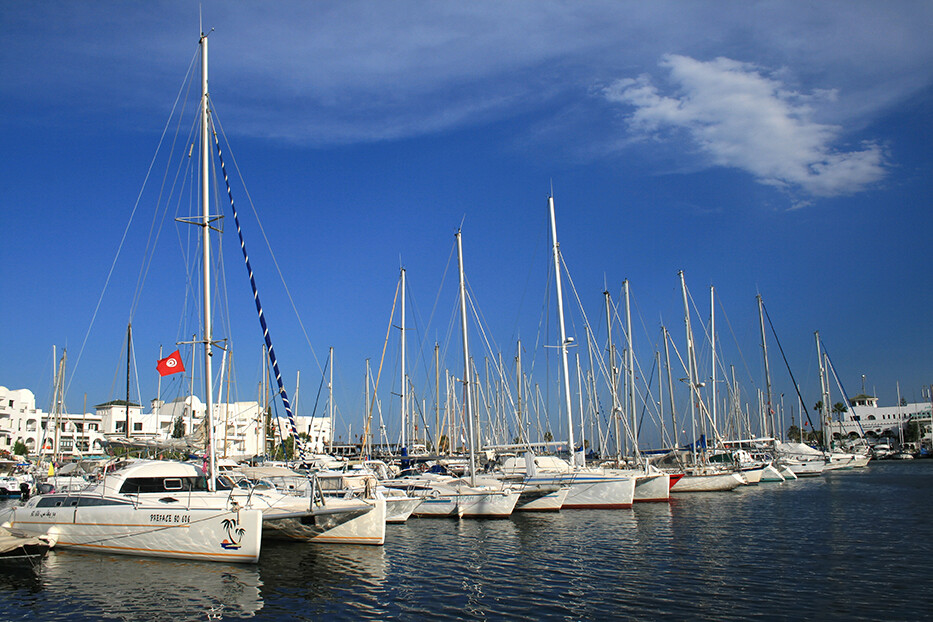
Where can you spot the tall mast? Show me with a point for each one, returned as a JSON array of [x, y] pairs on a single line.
[[519, 406], [330, 398], [670, 385], [206, 268], [404, 380], [630, 363], [691, 364], [468, 403], [129, 346], [564, 342], [764, 347], [367, 442], [824, 397], [613, 381], [712, 340]]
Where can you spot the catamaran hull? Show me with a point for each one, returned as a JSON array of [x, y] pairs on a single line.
[[753, 476], [398, 509], [440, 506], [370, 528], [181, 533], [771, 474], [652, 487], [809, 468], [497, 504], [595, 493], [547, 502], [718, 482]]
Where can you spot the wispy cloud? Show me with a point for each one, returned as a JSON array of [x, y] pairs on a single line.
[[740, 117]]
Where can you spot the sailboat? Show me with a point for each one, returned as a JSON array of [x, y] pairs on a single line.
[[172, 509], [464, 497], [588, 488]]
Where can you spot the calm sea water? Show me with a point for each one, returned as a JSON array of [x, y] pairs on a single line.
[[853, 545]]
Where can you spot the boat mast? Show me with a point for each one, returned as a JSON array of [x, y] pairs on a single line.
[[712, 340], [691, 364], [824, 397], [630, 362], [764, 348], [129, 342], [468, 403], [206, 251], [670, 386], [564, 341], [613, 380], [404, 382]]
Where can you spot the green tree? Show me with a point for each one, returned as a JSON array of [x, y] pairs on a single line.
[[912, 432], [20, 449], [793, 433], [839, 408], [178, 429]]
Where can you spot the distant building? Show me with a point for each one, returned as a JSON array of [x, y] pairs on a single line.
[[865, 418], [238, 426], [64, 435]]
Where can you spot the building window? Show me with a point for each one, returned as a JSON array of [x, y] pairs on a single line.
[[137, 426]]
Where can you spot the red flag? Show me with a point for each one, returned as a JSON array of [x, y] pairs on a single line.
[[170, 365]]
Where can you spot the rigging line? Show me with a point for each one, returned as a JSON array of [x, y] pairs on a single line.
[[126, 230], [372, 404], [736, 340], [275, 262], [149, 254], [453, 247], [262, 320], [841, 388], [803, 405]]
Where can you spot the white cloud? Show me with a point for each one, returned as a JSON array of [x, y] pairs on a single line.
[[741, 118]]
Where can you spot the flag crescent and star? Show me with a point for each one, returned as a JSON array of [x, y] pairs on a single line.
[[170, 365]]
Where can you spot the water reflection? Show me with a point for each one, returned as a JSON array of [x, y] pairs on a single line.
[[138, 588], [339, 581]]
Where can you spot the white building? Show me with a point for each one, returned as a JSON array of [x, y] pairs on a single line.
[[238, 427], [865, 418], [63, 435]]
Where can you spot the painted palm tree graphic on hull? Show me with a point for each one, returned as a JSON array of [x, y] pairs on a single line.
[[235, 533]]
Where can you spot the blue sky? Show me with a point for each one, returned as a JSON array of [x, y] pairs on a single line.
[[761, 147]]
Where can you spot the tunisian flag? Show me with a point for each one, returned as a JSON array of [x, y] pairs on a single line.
[[170, 365]]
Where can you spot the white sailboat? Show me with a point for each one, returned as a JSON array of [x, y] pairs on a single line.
[[154, 508], [590, 488]]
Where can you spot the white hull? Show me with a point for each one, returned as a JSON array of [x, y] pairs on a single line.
[[150, 529], [771, 474], [787, 473], [398, 509], [807, 468], [550, 502], [753, 476], [436, 507], [846, 461], [715, 482], [491, 504], [370, 528], [591, 491], [653, 487]]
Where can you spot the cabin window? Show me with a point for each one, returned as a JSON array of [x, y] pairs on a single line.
[[135, 485]]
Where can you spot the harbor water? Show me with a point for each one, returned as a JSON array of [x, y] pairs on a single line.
[[850, 545]]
